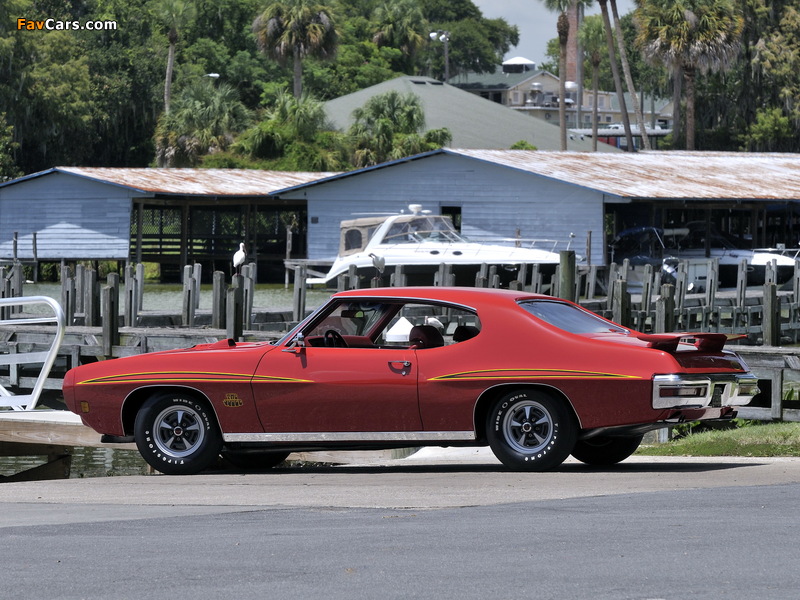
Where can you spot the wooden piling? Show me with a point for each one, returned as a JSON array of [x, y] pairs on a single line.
[[110, 302], [67, 295], [665, 310], [218, 298], [621, 303], [188, 305], [233, 325], [91, 300], [771, 320], [299, 297], [566, 282]]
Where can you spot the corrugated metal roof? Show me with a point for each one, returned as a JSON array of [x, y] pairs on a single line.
[[662, 174], [196, 182]]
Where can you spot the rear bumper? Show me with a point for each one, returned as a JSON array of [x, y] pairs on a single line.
[[687, 392]]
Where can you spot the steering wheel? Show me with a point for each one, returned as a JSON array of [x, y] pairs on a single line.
[[334, 339]]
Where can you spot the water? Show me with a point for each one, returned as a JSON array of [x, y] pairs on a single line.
[[86, 462]]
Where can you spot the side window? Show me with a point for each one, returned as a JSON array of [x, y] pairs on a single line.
[[350, 318], [422, 325]]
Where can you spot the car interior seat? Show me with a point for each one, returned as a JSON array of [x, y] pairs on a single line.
[[425, 336], [465, 332]]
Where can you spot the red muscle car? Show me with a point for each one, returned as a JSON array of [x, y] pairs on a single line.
[[534, 377]]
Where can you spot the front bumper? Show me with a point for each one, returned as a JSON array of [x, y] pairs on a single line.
[[703, 391]]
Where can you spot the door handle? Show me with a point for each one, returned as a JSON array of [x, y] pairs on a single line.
[[400, 365]]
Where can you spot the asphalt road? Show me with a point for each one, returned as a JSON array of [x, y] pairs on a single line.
[[438, 526]]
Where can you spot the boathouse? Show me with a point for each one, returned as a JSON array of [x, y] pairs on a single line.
[[170, 216], [574, 199]]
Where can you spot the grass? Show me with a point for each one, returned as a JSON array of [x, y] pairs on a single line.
[[771, 439]]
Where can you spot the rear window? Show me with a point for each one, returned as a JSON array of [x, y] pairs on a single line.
[[569, 317]]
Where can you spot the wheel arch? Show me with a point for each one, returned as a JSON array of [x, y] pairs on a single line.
[[490, 395], [136, 399]]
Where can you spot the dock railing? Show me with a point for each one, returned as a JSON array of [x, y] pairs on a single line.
[[47, 358]]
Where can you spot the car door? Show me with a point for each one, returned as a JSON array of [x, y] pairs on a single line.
[[322, 389]]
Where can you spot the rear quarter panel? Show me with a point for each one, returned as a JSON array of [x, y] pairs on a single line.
[[606, 383]]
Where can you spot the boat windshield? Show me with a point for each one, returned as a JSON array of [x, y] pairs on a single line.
[[417, 229]]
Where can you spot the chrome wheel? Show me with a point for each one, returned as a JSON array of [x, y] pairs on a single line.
[[528, 427], [178, 431]]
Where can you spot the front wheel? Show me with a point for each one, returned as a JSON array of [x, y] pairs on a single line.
[[177, 435], [530, 431], [603, 450]]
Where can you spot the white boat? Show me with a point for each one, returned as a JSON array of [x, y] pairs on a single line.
[[667, 247], [421, 242]]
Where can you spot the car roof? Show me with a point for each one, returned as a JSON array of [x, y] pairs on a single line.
[[459, 295]]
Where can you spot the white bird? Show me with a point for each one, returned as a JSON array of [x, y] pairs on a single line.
[[238, 257]]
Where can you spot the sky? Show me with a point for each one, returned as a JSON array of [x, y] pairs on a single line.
[[537, 25]]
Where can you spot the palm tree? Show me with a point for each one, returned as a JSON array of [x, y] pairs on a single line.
[[388, 126], [291, 30], [592, 36], [401, 24], [623, 57], [626, 122], [175, 14], [695, 36], [204, 120], [562, 27]]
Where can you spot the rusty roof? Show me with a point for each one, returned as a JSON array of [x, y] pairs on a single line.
[[192, 182], [664, 175]]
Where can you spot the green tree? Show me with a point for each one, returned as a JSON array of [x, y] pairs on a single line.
[[771, 132], [389, 126], [291, 30], [776, 63], [626, 70], [175, 14], [204, 120], [476, 44], [593, 40], [401, 24], [294, 134], [8, 167], [562, 26], [695, 36], [626, 122]]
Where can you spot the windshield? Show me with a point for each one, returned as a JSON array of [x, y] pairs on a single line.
[[427, 228], [569, 317]]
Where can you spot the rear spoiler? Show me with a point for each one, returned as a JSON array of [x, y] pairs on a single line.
[[705, 342]]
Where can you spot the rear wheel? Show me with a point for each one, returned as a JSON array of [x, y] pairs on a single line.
[[177, 434], [530, 431], [606, 450]]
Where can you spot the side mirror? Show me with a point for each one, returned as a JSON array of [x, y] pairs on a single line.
[[296, 345]]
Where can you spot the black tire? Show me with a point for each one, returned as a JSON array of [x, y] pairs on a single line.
[[603, 450], [529, 430], [177, 434], [253, 460]]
